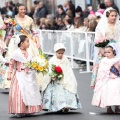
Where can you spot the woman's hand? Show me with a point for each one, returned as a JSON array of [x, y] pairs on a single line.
[[36, 38], [3, 27], [101, 51]]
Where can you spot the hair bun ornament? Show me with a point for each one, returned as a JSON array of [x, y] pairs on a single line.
[[17, 39]]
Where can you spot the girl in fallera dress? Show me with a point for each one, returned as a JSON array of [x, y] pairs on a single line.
[[60, 95], [24, 95], [107, 85]]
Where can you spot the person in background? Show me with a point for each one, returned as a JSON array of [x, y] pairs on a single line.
[[90, 9], [41, 11], [79, 12], [110, 3], [86, 24], [69, 24], [4, 9], [31, 13], [92, 25], [9, 11]]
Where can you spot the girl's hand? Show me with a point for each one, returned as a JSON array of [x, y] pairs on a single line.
[[8, 78], [7, 63], [92, 87], [38, 45], [101, 51]]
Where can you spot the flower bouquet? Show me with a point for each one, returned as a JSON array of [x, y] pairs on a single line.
[[56, 72], [38, 64], [101, 42], [10, 22]]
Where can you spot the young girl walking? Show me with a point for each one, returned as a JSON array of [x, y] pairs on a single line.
[[107, 86], [60, 94], [24, 95]]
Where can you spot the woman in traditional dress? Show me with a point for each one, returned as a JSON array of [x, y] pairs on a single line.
[[60, 95], [24, 95], [27, 24], [108, 28], [107, 87]]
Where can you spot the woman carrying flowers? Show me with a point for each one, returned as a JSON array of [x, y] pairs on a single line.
[[60, 85]]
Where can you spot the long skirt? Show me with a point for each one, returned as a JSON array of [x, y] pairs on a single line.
[[4, 83], [16, 104], [108, 95], [55, 98]]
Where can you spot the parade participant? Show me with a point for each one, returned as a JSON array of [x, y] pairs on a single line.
[[3, 62], [108, 28], [24, 95], [107, 86], [60, 92]]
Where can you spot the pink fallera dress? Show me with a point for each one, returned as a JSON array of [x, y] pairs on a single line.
[[107, 87], [16, 101]]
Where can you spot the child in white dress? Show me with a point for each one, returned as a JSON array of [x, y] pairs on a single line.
[[60, 95], [107, 86], [24, 95]]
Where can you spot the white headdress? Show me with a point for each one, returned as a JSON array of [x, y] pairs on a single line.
[[103, 23], [59, 46], [116, 48]]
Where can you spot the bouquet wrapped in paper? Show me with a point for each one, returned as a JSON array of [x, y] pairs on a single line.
[[101, 42], [56, 72], [39, 64]]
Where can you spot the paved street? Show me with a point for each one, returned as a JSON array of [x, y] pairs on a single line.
[[88, 112]]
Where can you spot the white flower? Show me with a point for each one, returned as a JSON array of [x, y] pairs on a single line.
[[60, 76], [53, 78]]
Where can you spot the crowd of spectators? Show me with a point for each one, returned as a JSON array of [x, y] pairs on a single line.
[[66, 17]]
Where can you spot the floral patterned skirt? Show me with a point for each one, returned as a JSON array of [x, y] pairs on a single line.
[[55, 98], [4, 83]]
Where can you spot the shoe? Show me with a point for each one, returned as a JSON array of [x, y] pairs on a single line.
[[110, 111], [117, 110], [60, 111], [65, 110]]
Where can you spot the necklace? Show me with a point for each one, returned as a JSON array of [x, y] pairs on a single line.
[[21, 18]]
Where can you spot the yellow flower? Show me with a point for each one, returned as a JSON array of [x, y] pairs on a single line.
[[37, 67], [46, 66], [34, 65], [40, 68], [41, 56]]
